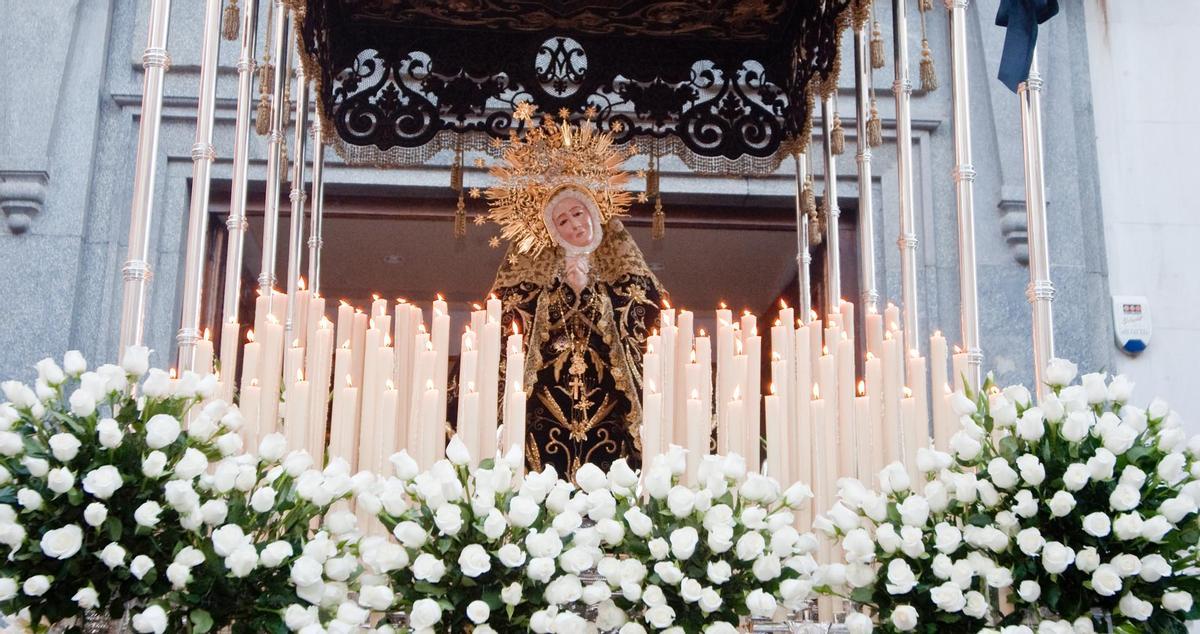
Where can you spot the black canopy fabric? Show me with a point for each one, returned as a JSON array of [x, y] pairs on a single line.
[[727, 85]]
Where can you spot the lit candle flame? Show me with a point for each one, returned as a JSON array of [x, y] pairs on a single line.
[[371, 323], [250, 336], [296, 342], [914, 354], [349, 381], [402, 300], [207, 335], [300, 283], [272, 319], [722, 305], [387, 340], [937, 333], [775, 356], [428, 346], [812, 315], [737, 344], [390, 385], [702, 333], [957, 350], [343, 302], [470, 386], [667, 304], [515, 329], [346, 345], [693, 356], [824, 350], [476, 307], [907, 392], [440, 298], [492, 296], [772, 388], [429, 385], [649, 348], [325, 324], [816, 391], [777, 323], [375, 296], [870, 355], [737, 393], [651, 387], [421, 329], [299, 374], [695, 395], [887, 336], [862, 388], [782, 303], [253, 382], [173, 373], [745, 312]]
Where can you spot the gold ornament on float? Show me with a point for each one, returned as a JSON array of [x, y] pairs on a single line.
[[551, 157]]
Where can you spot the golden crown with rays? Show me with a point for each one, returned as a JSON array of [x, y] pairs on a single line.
[[549, 157]]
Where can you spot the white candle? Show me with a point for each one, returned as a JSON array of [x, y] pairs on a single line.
[[875, 425], [295, 421], [319, 360], [864, 425], [229, 358], [651, 421], [293, 362], [908, 415], [736, 419], [777, 444], [942, 417], [959, 362], [343, 428], [373, 379], [300, 322], [271, 372], [422, 378], [204, 354], [514, 409], [698, 431], [468, 423], [440, 336], [493, 309], [250, 404], [820, 462], [849, 445], [345, 323], [673, 382], [918, 382], [874, 330], [358, 345], [891, 317], [783, 348], [683, 334], [514, 381], [378, 306], [315, 315], [433, 434], [827, 428], [703, 348], [753, 398], [489, 386], [891, 400], [406, 325], [387, 438], [802, 438], [847, 317]]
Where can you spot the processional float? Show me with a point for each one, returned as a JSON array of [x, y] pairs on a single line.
[[851, 389]]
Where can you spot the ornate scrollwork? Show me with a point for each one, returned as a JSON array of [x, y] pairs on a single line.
[[739, 95]]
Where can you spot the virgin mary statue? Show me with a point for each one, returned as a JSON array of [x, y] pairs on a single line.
[[576, 283]]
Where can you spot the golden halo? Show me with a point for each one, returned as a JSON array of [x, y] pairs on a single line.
[[536, 167]]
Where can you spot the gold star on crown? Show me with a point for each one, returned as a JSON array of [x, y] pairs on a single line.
[[548, 157]]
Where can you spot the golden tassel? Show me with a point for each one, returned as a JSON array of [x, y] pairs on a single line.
[[929, 81], [874, 127], [658, 227], [815, 235], [229, 21], [925, 5], [262, 121], [837, 138], [877, 59], [456, 175], [652, 183], [808, 199], [268, 74], [460, 218]]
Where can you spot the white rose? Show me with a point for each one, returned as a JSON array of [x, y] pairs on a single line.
[[157, 384], [62, 543], [1029, 591], [152, 619], [750, 545], [761, 604], [1087, 559], [109, 433], [947, 538], [1105, 580], [1056, 557], [60, 480], [1124, 498], [37, 467], [965, 447], [858, 623], [1001, 474], [1155, 529], [894, 478], [683, 542], [681, 500], [425, 614], [64, 446], [719, 571], [404, 466], [36, 586], [511, 555], [522, 511], [306, 571], [272, 447], [1076, 476], [720, 539], [161, 430], [948, 597], [82, 402], [1100, 466], [1061, 503], [904, 618], [1135, 608], [914, 511], [73, 363], [229, 444], [1030, 541], [1095, 388], [858, 546], [1031, 469], [154, 464], [410, 534], [95, 514], [660, 616], [1154, 567], [511, 594], [140, 566], [564, 589], [263, 500], [192, 464], [102, 482], [147, 514], [1120, 439], [1127, 565], [228, 538], [1177, 601], [474, 560], [426, 567], [1031, 426], [1120, 389], [900, 577], [1171, 468], [1128, 526], [1060, 372], [86, 598], [797, 496], [113, 555], [274, 553], [1077, 426]]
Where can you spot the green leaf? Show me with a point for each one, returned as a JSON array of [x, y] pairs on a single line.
[[201, 620]]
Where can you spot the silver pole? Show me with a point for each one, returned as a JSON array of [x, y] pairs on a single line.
[[136, 270], [803, 255], [315, 241], [203, 155], [964, 183], [236, 223], [275, 148], [1041, 290], [902, 89], [296, 221], [833, 256], [866, 215]]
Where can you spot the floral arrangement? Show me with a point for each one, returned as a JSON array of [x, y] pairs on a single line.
[[702, 558], [482, 548], [1099, 498], [906, 555], [110, 503]]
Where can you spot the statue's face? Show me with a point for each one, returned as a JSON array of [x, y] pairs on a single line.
[[573, 223]]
